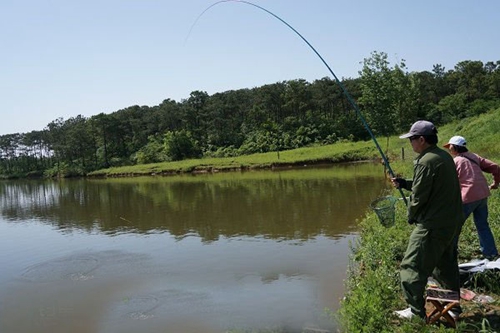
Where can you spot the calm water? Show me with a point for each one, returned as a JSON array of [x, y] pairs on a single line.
[[205, 253]]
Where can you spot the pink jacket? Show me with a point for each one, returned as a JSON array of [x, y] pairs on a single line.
[[473, 184]]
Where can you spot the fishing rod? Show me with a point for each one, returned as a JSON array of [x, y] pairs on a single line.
[[339, 83]]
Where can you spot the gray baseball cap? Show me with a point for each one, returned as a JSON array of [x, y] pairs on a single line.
[[421, 127]]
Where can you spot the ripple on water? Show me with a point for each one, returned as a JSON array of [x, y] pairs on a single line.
[[136, 307], [69, 268]]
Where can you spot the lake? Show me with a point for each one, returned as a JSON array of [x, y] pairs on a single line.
[[256, 250]]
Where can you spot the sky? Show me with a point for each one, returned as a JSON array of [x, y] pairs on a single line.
[[64, 58]]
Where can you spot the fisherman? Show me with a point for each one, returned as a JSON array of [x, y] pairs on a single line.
[[435, 208]]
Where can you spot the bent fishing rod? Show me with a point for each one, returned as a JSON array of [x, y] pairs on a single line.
[[339, 83]]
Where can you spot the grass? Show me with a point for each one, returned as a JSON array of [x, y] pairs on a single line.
[[340, 152]]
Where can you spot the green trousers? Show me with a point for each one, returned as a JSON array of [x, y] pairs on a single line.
[[430, 252]]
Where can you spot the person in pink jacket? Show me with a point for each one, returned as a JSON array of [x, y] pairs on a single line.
[[475, 190]]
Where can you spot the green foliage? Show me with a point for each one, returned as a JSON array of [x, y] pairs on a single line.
[[180, 145], [152, 152], [377, 95], [449, 108], [481, 106], [63, 170], [368, 311], [262, 140], [230, 151], [388, 94], [486, 282], [372, 284]]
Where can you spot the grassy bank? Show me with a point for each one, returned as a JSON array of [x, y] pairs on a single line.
[[340, 152], [373, 279]]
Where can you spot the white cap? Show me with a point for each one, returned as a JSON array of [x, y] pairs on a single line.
[[456, 140]]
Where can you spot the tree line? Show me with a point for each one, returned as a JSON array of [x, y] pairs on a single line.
[[272, 117]]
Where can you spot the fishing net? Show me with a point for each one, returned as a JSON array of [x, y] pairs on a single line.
[[385, 210]]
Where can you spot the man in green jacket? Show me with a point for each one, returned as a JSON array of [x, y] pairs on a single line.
[[435, 207]]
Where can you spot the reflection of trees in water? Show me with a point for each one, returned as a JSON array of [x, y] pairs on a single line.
[[273, 207]]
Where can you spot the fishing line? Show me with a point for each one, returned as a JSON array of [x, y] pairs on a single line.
[[344, 91]]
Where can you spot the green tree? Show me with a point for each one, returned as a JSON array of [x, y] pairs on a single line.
[[389, 95], [405, 96], [166, 117], [195, 117], [100, 127], [270, 98], [152, 152], [378, 98], [297, 98], [450, 108], [470, 79], [493, 79], [180, 145], [9, 144]]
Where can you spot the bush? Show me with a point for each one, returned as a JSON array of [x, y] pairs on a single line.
[[63, 170], [481, 106], [180, 145], [152, 152]]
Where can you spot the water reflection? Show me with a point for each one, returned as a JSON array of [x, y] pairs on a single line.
[[205, 253], [293, 204]]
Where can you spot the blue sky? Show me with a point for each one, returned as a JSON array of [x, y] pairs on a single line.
[[63, 58]]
